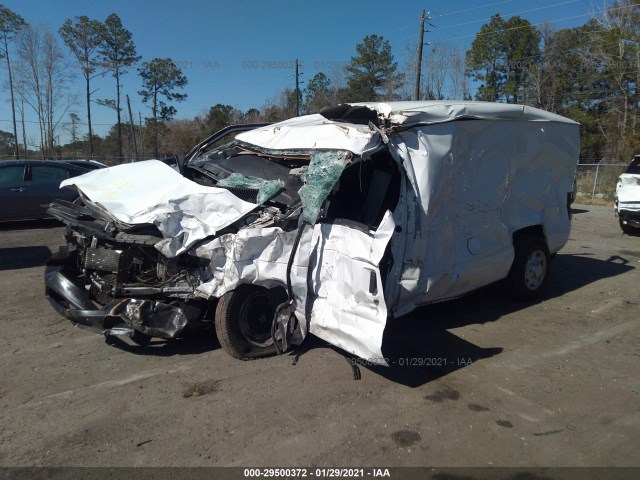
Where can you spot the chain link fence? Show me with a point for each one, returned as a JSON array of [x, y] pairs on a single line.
[[598, 180], [109, 161]]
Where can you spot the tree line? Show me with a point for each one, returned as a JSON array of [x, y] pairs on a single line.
[[40, 74], [590, 73]]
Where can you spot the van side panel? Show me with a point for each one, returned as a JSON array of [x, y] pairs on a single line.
[[473, 183]]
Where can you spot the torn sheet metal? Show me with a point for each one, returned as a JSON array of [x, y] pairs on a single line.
[[429, 112], [348, 307], [258, 256], [337, 286], [151, 192], [472, 184], [313, 132]]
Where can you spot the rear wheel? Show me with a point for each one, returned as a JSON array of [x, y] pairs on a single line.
[[243, 320], [529, 272]]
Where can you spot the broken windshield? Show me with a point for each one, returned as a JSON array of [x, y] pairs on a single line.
[[283, 176]]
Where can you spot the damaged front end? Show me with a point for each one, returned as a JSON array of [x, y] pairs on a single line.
[[134, 262], [267, 244], [117, 282], [627, 199]]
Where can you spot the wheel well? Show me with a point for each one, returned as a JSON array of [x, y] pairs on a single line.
[[530, 231]]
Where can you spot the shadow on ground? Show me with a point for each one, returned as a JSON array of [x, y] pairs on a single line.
[[192, 344], [30, 224], [16, 258], [576, 211], [420, 348]]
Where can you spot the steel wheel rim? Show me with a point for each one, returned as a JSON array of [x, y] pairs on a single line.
[[255, 318], [535, 270]]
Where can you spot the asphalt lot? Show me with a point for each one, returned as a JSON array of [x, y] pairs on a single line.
[[479, 381]]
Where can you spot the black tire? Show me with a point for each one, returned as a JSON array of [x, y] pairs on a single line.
[[529, 272], [243, 320], [628, 229]]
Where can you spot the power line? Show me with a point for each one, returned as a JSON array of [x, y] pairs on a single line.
[[537, 24], [473, 8], [510, 14]]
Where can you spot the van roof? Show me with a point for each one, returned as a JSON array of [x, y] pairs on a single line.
[[438, 111], [347, 129]]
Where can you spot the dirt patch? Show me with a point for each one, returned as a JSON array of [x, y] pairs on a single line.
[[406, 438], [478, 408], [199, 389], [442, 395]]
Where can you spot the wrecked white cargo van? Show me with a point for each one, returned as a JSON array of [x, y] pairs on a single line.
[[627, 202], [332, 223]]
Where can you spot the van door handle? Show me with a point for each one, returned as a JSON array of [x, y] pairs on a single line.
[[373, 283], [18, 189]]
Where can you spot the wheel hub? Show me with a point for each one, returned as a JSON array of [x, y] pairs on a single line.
[[535, 270]]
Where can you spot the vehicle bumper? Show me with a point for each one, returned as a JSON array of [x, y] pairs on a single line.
[[630, 217], [122, 316]]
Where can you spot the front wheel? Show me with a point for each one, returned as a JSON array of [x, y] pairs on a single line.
[[243, 320], [529, 272], [625, 227]]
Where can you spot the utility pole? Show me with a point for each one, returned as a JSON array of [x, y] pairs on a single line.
[[133, 131], [142, 133], [423, 18], [297, 89]]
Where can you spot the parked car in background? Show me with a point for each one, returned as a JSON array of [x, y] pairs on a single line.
[[88, 164], [627, 202], [27, 187]]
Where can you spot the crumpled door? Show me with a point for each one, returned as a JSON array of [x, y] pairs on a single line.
[[346, 293]]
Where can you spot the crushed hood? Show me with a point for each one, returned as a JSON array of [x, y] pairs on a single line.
[[313, 132], [151, 192]]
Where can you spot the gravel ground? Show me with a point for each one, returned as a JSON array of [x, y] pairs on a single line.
[[479, 381]]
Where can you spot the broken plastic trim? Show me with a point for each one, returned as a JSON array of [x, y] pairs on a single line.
[[267, 189]]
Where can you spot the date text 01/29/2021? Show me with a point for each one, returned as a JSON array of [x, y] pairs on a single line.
[[316, 472], [415, 361]]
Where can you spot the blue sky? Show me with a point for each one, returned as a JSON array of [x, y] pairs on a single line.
[[242, 53]]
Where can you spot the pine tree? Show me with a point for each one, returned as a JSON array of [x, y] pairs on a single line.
[[83, 37], [117, 53], [160, 78], [10, 24], [372, 72]]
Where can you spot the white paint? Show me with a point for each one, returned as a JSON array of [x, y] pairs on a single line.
[[628, 192], [471, 185], [313, 132], [152, 192], [429, 112], [466, 187]]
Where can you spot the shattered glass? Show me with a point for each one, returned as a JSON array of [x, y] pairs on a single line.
[[325, 169], [267, 189]]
